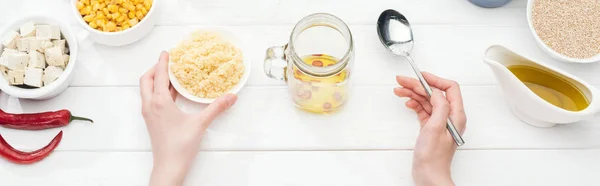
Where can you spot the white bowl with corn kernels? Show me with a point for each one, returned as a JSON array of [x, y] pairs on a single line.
[[116, 38]]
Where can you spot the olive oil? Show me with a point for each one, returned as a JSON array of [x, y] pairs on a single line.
[[319, 94], [553, 88]]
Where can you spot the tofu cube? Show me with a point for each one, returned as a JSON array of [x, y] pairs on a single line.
[[60, 44], [38, 44], [45, 44], [33, 77], [24, 43], [8, 51], [51, 74], [47, 32], [15, 77], [16, 61], [4, 71], [66, 58], [27, 30], [54, 57], [10, 40], [36, 60]]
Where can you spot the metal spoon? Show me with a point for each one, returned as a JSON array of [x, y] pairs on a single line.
[[396, 35]]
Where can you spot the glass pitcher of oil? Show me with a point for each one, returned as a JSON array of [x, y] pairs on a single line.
[[539, 94], [316, 63]]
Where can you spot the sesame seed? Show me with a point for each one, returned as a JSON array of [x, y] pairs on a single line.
[[569, 27]]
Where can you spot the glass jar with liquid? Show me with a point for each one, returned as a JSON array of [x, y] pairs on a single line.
[[316, 63]]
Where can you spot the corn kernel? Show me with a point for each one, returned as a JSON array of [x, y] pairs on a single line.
[[86, 2], [139, 6], [139, 1], [105, 10], [108, 16], [88, 18], [100, 16], [116, 15], [113, 8], [100, 22], [118, 29], [139, 15], [93, 25], [133, 21], [101, 1], [121, 19], [123, 10], [131, 15], [79, 5], [95, 7], [144, 11], [102, 6], [125, 27], [148, 4], [86, 10], [129, 7], [111, 26]]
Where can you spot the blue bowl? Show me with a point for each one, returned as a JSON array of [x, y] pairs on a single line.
[[490, 3]]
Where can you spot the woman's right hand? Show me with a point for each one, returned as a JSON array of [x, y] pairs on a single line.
[[435, 146]]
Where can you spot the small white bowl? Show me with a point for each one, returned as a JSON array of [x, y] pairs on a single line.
[[229, 36], [121, 38], [56, 87], [549, 50]]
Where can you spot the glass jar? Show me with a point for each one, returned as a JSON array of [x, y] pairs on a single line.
[[316, 63]]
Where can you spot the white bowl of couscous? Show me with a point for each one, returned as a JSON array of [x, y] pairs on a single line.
[[115, 22], [208, 63]]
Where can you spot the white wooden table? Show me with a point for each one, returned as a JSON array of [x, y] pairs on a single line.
[[263, 140]]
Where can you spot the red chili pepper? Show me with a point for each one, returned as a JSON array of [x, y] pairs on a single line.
[[19, 157], [39, 121]]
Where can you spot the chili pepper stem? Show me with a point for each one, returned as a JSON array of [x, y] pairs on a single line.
[[80, 118]]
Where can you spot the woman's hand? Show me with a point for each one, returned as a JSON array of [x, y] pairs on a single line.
[[435, 146], [175, 135]]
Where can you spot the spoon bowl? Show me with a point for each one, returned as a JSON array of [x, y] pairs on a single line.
[[396, 35], [395, 32]]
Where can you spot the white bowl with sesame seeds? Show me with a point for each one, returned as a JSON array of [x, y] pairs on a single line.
[[552, 52]]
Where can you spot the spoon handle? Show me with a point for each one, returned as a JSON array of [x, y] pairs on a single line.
[[451, 128]]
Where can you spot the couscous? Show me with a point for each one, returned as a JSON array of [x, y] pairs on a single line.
[[207, 65]]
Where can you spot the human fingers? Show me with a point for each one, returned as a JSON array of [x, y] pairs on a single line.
[[453, 95], [173, 92], [216, 108], [411, 83], [422, 115], [404, 92], [440, 113], [147, 85], [161, 80]]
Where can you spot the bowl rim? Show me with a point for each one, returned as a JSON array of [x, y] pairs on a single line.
[[87, 27], [71, 41], [549, 50], [229, 36]]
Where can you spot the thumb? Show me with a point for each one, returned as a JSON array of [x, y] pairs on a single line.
[[219, 106], [440, 110]]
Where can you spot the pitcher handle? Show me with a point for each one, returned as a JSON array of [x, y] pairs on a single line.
[[275, 65]]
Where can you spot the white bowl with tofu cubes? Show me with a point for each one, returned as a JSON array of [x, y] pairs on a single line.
[[37, 57]]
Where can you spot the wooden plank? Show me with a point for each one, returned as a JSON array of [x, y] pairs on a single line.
[[454, 52], [277, 12], [265, 119], [314, 168]]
